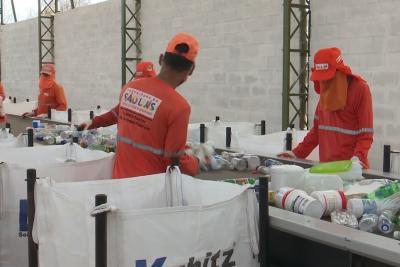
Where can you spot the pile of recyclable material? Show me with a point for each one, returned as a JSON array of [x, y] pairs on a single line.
[[62, 134]]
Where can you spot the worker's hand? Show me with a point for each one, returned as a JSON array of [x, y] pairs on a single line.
[[287, 154], [42, 116], [28, 114], [85, 125]]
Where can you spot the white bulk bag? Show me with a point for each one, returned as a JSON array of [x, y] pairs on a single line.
[[19, 108], [49, 161], [216, 220]]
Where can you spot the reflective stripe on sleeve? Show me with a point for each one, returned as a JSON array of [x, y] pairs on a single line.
[[345, 131]]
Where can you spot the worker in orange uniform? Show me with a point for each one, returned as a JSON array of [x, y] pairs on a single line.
[[2, 98], [144, 69], [153, 117], [51, 93], [343, 120]]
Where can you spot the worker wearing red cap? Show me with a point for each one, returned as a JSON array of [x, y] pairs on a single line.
[[144, 69], [153, 117], [343, 120], [51, 93], [2, 98]]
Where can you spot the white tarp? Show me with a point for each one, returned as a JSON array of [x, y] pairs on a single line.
[[19, 108], [215, 133], [216, 224], [49, 161], [271, 144]]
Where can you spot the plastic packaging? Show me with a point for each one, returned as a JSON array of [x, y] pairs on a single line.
[[322, 182], [331, 200], [286, 175], [299, 202], [396, 235], [344, 218], [71, 155], [385, 190], [252, 161], [239, 164], [368, 223], [348, 170], [358, 207], [385, 222], [3, 133]]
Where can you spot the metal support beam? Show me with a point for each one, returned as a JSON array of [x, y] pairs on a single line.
[[131, 29], [2, 11], [296, 67], [46, 12]]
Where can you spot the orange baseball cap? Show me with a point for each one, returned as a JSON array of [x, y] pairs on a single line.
[[326, 62], [48, 69], [145, 69], [190, 41]]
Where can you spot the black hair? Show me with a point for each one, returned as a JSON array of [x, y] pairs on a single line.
[[177, 62]]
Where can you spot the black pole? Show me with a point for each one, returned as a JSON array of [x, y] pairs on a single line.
[[98, 107], [14, 100], [386, 158], [32, 247], [202, 133], [10, 97], [289, 139], [49, 113], [8, 125], [264, 221], [91, 115], [101, 233], [216, 118], [75, 139], [30, 137], [263, 127], [69, 115], [27, 100], [228, 136]]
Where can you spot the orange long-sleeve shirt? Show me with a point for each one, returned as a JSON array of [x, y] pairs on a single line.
[[344, 133], [52, 97], [3, 96]]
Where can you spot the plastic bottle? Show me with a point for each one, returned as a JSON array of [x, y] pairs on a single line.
[[331, 200], [239, 164], [70, 152], [368, 223], [385, 222], [358, 207], [288, 141], [49, 139], [385, 190]]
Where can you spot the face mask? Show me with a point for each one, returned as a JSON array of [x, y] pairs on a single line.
[[45, 82], [333, 95]]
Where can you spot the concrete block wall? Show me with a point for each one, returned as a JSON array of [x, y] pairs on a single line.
[[19, 59], [238, 71], [88, 54], [368, 33]]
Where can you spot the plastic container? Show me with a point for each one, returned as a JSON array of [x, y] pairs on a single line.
[[322, 182], [344, 218], [358, 207], [286, 175], [299, 202], [368, 223], [348, 170], [331, 200], [252, 162], [385, 190], [239, 164], [385, 222]]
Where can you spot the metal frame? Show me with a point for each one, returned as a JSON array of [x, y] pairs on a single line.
[[2, 11], [131, 35], [295, 102], [46, 14]]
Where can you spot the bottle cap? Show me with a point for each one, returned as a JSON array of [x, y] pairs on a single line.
[[396, 235]]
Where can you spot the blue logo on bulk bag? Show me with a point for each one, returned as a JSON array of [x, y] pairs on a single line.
[[157, 263], [23, 217]]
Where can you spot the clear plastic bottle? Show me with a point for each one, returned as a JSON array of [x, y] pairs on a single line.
[[70, 152], [239, 164], [368, 222], [385, 190], [385, 222]]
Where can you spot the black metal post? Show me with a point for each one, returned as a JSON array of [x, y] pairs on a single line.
[[386, 158], [8, 125], [49, 113], [32, 247], [228, 136], [202, 133], [263, 129], [91, 114], [27, 100], [30, 137], [101, 233], [69, 115], [10, 97], [98, 107], [216, 118], [289, 139], [264, 221], [14, 100], [75, 139]]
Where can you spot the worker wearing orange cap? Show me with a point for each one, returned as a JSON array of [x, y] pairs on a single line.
[[343, 121], [2, 98], [153, 117], [51, 93], [144, 69]]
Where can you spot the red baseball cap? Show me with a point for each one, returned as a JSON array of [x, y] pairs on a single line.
[[326, 62], [48, 69], [145, 69], [190, 41]]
